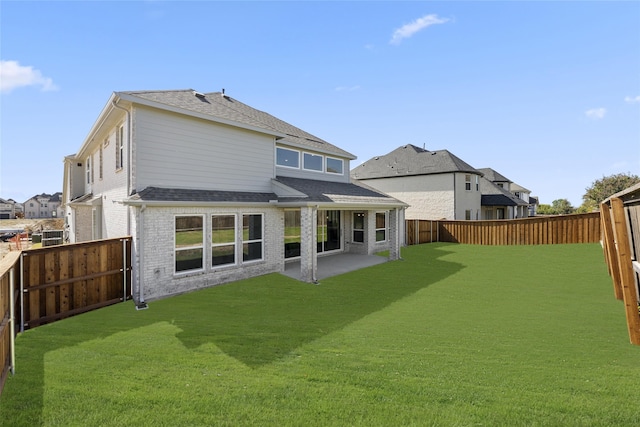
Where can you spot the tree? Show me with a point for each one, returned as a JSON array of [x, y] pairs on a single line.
[[602, 188], [557, 207]]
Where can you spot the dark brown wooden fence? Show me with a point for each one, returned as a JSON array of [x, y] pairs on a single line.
[[576, 228], [621, 244], [56, 282]]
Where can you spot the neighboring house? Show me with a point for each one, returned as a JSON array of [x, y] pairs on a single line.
[[7, 209], [435, 184], [502, 198], [43, 206], [212, 190], [498, 203]]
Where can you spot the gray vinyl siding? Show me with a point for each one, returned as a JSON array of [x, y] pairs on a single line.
[[320, 176], [181, 152]]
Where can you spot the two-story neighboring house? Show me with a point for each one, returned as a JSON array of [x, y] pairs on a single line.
[[435, 184], [43, 206], [7, 209], [502, 198], [212, 190]]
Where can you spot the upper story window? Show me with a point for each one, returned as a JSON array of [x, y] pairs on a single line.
[[294, 159], [287, 158], [334, 165], [88, 165], [120, 147], [467, 182], [477, 183], [313, 162], [100, 163]]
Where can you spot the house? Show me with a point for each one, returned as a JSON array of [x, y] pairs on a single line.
[[439, 185], [212, 190], [43, 206], [8, 209], [502, 198], [435, 184]]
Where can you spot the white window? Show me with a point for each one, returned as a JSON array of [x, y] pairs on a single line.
[[100, 164], [287, 158], [223, 240], [358, 227], [467, 182], [477, 183], [88, 168], [334, 166], [313, 162], [252, 237], [120, 147], [381, 226], [189, 238]]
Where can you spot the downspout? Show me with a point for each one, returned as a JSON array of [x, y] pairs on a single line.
[[141, 304]]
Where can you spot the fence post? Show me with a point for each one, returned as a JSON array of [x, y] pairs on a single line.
[[624, 260], [12, 318], [22, 292], [124, 270], [610, 249]]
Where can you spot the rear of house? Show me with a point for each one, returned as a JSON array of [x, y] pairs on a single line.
[[212, 190]]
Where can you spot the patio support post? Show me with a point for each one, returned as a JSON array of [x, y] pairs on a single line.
[[308, 244]]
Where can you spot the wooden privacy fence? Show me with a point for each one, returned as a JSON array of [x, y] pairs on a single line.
[[576, 228], [621, 245], [39, 286]]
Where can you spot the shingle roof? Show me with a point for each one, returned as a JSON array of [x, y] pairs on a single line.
[[492, 195], [410, 160], [217, 105], [494, 176], [157, 194], [335, 192]]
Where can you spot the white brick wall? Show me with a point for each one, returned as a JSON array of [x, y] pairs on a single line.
[[158, 255]]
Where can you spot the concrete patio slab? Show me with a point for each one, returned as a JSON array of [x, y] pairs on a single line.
[[332, 265]]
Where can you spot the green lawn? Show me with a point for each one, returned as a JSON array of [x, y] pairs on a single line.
[[453, 335]]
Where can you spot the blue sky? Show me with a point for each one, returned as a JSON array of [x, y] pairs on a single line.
[[546, 93]]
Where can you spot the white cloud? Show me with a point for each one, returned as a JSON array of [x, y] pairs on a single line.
[[596, 113], [13, 75], [632, 99], [347, 88], [419, 24]]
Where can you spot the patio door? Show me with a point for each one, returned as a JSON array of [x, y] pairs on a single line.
[[328, 231]]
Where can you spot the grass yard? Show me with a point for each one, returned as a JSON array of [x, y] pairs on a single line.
[[453, 335]]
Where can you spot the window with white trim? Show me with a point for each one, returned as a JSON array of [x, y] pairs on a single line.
[[287, 158], [189, 239], [312, 162], [120, 147], [88, 168], [252, 237], [381, 226], [358, 227], [223, 240], [467, 182], [100, 163], [334, 165]]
